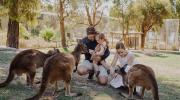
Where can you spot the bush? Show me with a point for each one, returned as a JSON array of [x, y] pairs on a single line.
[[23, 32], [47, 34], [35, 32]]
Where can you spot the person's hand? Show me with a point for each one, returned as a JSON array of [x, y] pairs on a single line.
[[114, 75], [91, 51]]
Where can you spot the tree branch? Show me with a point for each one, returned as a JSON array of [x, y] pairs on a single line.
[[99, 19], [88, 14]]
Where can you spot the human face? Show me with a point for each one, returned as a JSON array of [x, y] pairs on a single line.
[[100, 41], [121, 52], [91, 37]]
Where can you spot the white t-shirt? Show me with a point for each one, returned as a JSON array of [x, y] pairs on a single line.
[[124, 60], [117, 81]]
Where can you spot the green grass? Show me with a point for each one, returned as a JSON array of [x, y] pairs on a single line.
[[15, 92], [6, 57]]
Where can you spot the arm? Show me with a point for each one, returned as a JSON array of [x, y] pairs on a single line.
[[106, 54], [114, 60], [102, 50]]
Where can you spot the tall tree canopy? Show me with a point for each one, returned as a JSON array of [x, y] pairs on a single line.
[[19, 11], [153, 12]]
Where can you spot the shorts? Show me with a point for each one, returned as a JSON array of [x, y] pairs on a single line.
[[88, 65]]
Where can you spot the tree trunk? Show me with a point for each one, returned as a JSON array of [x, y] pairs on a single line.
[[63, 35], [62, 29], [13, 34], [127, 36], [13, 26], [143, 38]]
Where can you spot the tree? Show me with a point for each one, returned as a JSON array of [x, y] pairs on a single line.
[[153, 12], [122, 10], [175, 9], [62, 16], [19, 11], [13, 26], [94, 5]]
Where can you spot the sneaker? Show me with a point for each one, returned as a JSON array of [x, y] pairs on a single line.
[[91, 74]]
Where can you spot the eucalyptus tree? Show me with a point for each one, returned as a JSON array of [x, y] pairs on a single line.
[[153, 12], [19, 11]]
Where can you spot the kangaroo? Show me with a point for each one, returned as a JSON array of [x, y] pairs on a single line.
[[60, 67], [140, 75], [27, 62]]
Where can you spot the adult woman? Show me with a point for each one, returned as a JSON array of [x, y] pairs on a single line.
[[125, 60]]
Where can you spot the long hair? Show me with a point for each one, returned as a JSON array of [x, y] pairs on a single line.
[[120, 45]]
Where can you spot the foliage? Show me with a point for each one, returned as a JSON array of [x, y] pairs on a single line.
[[23, 32], [35, 31], [47, 34], [175, 8], [27, 10]]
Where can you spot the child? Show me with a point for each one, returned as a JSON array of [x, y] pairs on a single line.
[[98, 52]]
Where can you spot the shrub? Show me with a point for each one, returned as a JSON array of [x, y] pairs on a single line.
[[23, 32], [47, 34], [35, 32]]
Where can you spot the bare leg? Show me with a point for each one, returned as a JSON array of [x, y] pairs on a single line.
[[103, 80], [96, 68], [105, 65]]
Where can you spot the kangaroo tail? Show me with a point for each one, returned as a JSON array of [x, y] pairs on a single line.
[[154, 88]]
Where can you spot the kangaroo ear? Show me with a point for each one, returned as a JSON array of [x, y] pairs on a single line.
[[58, 51]]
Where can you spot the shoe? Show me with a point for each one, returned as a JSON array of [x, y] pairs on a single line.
[[91, 74]]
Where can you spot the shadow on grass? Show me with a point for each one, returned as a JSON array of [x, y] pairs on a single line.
[[167, 91], [15, 92]]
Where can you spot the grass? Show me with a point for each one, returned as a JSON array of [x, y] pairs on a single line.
[[166, 67], [6, 57]]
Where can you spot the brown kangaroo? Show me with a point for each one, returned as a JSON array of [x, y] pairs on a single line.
[[27, 62], [140, 75], [60, 67]]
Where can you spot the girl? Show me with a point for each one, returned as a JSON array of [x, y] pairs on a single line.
[[126, 61], [99, 52]]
